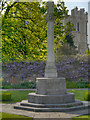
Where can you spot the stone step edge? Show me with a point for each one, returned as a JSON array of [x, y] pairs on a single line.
[[76, 103], [50, 109]]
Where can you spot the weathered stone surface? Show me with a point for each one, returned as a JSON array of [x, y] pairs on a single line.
[[72, 104], [50, 69], [50, 9], [51, 99], [39, 108], [51, 86]]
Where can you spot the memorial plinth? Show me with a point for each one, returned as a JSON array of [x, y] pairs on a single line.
[[51, 91], [51, 94], [51, 86]]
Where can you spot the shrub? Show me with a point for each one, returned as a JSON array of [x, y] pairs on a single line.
[[1, 80], [82, 84], [89, 85], [71, 84], [7, 87], [88, 52], [5, 96], [87, 96], [25, 85], [33, 85]]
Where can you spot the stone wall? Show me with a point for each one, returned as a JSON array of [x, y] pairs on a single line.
[[73, 68]]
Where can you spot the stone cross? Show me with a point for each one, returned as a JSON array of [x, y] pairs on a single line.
[[50, 70], [51, 91], [89, 23]]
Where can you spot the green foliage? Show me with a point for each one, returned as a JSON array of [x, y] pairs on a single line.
[[23, 33], [66, 45], [5, 96], [89, 85], [7, 87], [32, 85], [88, 52], [87, 96], [1, 80], [25, 85], [69, 40], [72, 84], [68, 33], [82, 84], [60, 12], [65, 49], [24, 30]]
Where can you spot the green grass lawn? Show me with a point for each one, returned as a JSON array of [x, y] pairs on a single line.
[[8, 115], [82, 117], [18, 96], [79, 94]]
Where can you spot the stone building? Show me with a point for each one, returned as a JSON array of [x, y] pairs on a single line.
[[80, 19]]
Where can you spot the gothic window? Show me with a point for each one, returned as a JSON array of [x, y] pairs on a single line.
[[77, 26]]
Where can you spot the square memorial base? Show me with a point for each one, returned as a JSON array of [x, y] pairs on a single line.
[[51, 86]]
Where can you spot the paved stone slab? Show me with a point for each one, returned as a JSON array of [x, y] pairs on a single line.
[[8, 108]]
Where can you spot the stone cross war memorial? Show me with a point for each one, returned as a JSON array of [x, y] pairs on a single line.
[[51, 94]]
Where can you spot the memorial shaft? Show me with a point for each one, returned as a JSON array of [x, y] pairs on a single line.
[[50, 70]]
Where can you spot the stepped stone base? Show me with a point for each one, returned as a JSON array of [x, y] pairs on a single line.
[[50, 96], [24, 105]]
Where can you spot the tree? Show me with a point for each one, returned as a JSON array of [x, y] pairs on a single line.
[[67, 47], [60, 12], [24, 30], [68, 34]]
